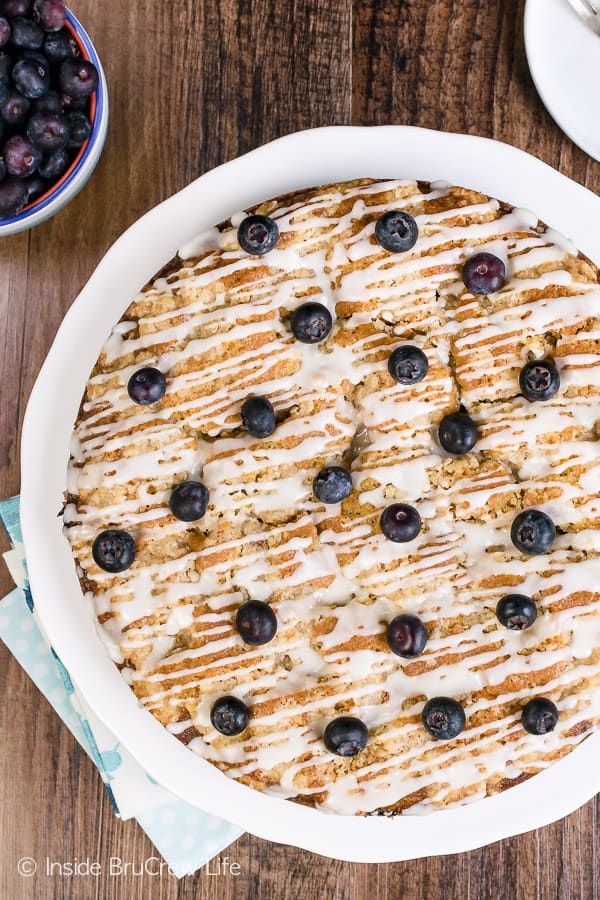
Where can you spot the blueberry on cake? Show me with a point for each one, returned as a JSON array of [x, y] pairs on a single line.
[[334, 496]]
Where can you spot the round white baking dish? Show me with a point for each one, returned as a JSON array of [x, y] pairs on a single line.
[[298, 160]]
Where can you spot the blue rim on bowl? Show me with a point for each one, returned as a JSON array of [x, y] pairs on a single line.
[[85, 162]]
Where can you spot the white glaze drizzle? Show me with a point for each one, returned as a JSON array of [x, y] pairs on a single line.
[[217, 328]]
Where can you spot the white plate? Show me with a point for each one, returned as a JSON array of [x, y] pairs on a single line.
[[295, 161], [564, 59]]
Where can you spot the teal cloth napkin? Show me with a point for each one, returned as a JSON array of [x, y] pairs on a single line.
[[186, 837]]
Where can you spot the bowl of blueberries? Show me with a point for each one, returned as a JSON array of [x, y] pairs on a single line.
[[53, 110]]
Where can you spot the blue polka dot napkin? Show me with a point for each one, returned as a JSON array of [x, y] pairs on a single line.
[[186, 837]]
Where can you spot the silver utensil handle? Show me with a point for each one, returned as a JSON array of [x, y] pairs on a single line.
[[588, 11]]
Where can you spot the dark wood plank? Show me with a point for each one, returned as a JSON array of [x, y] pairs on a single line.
[[192, 85], [13, 311]]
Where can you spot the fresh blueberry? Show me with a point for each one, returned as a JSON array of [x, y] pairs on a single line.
[[539, 380], [48, 131], [533, 532], [31, 78], [13, 195], [49, 103], [346, 736], [78, 77], [2, 169], [70, 104], [26, 34], [36, 186], [400, 523], [311, 322], [406, 636], [256, 623], [258, 416], [332, 484], [229, 716], [4, 93], [59, 45], [52, 14], [114, 550], [516, 611], [396, 231], [80, 127], [20, 156], [189, 501], [484, 273], [36, 55], [539, 716], [147, 386], [12, 8], [408, 364], [6, 66], [257, 234], [54, 165], [15, 110], [457, 433], [443, 718], [4, 32]]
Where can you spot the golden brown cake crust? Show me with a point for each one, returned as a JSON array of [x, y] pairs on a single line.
[[215, 321]]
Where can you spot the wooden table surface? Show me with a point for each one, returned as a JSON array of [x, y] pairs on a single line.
[[194, 83]]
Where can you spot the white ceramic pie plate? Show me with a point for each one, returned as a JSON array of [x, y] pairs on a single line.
[[295, 161]]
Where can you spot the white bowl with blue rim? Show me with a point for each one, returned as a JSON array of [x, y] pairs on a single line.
[[76, 176]]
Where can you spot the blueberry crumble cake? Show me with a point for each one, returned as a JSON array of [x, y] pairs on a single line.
[[334, 496]]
